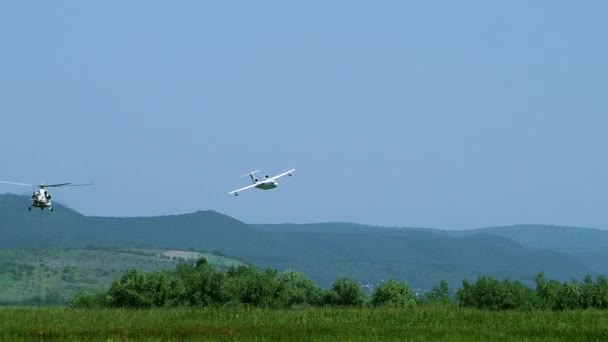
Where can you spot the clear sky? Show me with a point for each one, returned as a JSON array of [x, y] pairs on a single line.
[[448, 114]]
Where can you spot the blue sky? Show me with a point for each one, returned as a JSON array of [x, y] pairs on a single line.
[[410, 113]]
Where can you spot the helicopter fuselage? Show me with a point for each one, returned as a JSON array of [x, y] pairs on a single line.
[[41, 199]]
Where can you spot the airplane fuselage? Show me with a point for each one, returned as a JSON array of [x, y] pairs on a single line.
[[267, 185]]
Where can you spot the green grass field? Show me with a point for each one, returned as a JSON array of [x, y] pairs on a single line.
[[423, 323]]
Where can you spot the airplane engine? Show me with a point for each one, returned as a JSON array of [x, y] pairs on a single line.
[[267, 176]]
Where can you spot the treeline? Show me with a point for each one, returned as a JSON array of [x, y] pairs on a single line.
[[201, 285], [491, 294]]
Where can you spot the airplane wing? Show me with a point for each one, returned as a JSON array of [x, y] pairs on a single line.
[[241, 189], [281, 175]]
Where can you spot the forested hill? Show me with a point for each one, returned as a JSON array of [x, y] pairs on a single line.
[[588, 246], [323, 251]]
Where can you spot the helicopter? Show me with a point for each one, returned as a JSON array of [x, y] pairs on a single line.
[[41, 198]]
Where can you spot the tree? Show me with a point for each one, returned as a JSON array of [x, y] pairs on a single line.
[[140, 290], [203, 284], [294, 288], [344, 292], [601, 292], [588, 291], [569, 296], [206, 288], [547, 291], [491, 294], [260, 288], [247, 285], [83, 300], [393, 293], [440, 294]]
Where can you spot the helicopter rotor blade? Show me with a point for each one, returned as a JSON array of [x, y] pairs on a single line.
[[53, 185], [82, 184], [13, 183], [64, 185]]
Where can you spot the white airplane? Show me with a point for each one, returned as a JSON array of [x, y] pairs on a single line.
[[266, 184], [41, 198]]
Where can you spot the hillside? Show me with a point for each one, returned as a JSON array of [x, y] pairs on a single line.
[[547, 236], [587, 246], [324, 252], [422, 257], [55, 275]]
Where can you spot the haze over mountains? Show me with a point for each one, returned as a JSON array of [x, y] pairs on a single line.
[[326, 251]]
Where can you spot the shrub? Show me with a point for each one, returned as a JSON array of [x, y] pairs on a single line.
[[393, 293], [440, 294], [344, 292]]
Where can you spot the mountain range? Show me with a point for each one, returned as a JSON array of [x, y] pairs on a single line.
[[326, 251]]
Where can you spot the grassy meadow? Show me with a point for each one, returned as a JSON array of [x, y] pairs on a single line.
[[422, 323]]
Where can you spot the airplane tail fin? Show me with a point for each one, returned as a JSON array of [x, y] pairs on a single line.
[[251, 175]]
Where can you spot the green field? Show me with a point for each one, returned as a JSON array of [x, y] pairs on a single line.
[[53, 276], [423, 323]]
